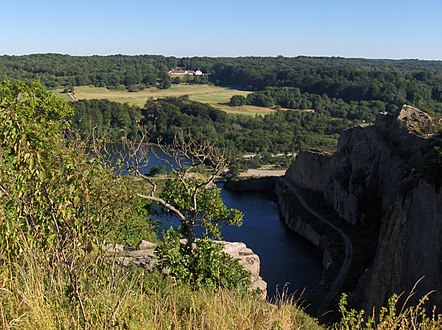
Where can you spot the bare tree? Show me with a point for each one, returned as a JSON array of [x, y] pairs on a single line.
[[193, 198]]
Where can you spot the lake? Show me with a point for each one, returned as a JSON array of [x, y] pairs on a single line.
[[286, 257]]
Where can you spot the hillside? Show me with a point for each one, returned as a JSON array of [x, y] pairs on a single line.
[[380, 179], [59, 205], [386, 84]]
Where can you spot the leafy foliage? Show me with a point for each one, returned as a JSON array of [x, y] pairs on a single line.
[[53, 70], [289, 97], [157, 170], [53, 195], [56, 201], [412, 317], [205, 266], [105, 119], [392, 82], [237, 100], [193, 199], [202, 207], [282, 131]]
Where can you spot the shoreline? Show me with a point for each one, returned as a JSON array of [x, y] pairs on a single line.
[[297, 219]]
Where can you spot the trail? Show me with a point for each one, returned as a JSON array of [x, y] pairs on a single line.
[[339, 279]]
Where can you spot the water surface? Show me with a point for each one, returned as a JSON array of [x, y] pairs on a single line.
[[286, 257]]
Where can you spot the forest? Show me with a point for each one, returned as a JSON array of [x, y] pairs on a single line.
[[279, 132], [335, 92], [392, 82]]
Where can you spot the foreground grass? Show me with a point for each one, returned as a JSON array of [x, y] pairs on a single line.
[[35, 297], [213, 95]]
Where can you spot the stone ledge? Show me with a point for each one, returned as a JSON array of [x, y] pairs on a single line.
[[144, 256]]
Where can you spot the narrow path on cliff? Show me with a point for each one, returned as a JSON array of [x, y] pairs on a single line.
[[338, 281]]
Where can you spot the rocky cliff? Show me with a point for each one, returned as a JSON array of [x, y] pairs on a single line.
[[410, 247], [375, 179]]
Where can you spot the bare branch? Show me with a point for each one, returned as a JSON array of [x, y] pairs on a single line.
[[165, 204]]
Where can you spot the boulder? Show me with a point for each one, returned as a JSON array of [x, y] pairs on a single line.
[[144, 256], [146, 245]]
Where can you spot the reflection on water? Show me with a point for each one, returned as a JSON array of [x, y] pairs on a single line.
[[146, 157]]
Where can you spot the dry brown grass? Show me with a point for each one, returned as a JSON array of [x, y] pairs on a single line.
[[31, 297]]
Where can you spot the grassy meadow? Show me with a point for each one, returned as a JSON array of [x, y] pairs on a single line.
[[213, 95]]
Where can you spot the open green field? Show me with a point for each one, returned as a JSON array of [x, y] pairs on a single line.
[[213, 95]]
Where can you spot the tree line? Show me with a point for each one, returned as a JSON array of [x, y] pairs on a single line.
[[104, 118], [292, 98], [279, 132], [393, 82], [114, 72]]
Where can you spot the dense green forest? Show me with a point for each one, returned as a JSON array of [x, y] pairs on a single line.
[[393, 82], [337, 91], [282, 131], [116, 71], [106, 119], [291, 97]]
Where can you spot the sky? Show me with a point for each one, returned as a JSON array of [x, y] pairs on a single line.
[[349, 28]]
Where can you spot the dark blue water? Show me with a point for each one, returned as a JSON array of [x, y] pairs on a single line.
[[146, 158], [286, 257]]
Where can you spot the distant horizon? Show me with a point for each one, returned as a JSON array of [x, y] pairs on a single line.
[[373, 29], [228, 56]]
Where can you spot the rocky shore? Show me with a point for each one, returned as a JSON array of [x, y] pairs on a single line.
[[391, 211], [144, 256]]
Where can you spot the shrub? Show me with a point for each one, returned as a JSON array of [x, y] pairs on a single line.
[[157, 170], [53, 195], [237, 100], [205, 266]]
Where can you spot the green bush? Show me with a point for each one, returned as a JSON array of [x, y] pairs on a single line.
[[53, 194], [157, 170], [204, 266], [237, 100]]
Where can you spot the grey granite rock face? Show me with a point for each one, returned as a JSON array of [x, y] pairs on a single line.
[[410, 248], [373, 177], [361, 179]]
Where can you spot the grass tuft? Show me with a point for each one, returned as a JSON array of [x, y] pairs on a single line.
[[33, 296]]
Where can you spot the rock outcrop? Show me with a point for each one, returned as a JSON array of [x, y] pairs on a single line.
[[410, 248], [361, 179], [374, 179], [144, 256], [250, 261]]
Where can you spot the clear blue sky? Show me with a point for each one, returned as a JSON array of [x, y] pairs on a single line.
[[349, 28]]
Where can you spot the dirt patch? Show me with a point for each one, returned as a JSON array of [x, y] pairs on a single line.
[[262, 173]]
